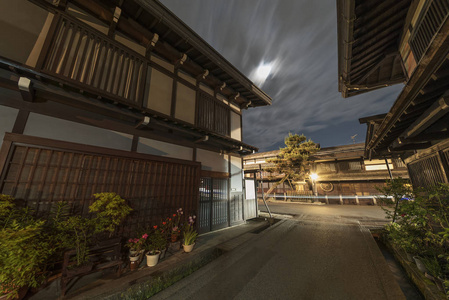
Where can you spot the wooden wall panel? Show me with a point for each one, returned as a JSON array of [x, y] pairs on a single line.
[[42, 176]]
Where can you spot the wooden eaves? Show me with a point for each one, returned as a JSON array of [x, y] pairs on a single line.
[[368, 36], [419, 103]]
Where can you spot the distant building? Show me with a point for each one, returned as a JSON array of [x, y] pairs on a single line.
[[341, 170], [381, 43], [120, 96]]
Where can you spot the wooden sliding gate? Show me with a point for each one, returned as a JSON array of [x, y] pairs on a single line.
[[42, 172]]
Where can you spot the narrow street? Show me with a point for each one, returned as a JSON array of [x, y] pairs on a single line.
[[299, 258], [328, 213]]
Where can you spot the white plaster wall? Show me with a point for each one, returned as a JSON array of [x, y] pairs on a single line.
[[236, 127], [212, 161], [185, 103], [58, 129], [160, 94], [20, 24], [7, 119], [236, 174], [154, 147]]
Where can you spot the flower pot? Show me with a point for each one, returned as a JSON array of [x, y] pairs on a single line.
[[163, 251], [134, 258], [174, 247], [133, 252], [133, 265], [174, 238], [152, 259], [188, 248], [419, 264]]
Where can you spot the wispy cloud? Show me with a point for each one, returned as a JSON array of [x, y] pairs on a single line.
[[300, 37]]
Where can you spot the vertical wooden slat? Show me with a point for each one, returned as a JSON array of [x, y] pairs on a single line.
[[87, 66], [31, 173], [58, 52], [107, 68], [111, 76], [43, 180], [55, 176], [67, 175], [69, 48], [19, 173]]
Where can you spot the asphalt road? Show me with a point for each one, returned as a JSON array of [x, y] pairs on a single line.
[[329, 213], [296, 259]]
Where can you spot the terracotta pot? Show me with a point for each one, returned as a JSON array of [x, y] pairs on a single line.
[[133, 265], [152, 259], [174, 238], [188, 248], [174, 247]]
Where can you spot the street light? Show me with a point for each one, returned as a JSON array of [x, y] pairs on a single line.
[[314, 177]]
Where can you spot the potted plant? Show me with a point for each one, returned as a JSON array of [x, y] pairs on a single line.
[[136, 246], [190, 235], [160, 241], [136, 250], [175, 231], [24, 249], [153, 251]]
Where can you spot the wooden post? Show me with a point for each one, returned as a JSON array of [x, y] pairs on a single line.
[[285, 197]]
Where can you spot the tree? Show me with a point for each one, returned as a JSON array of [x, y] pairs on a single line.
[[293, 160]]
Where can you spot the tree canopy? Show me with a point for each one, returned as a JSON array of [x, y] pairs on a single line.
[[293, 160]]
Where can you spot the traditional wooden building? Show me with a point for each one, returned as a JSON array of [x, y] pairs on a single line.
[[120, 96], [342, 174], [386, 42]]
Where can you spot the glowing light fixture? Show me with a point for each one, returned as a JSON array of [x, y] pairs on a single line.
[[314, 176]]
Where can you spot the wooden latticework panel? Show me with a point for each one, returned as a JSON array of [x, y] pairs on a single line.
[[154, 188], [427, 172], [213, 115]]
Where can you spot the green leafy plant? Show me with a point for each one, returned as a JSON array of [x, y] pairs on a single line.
[[190, 236], [156, 241], [110, 210], [24, 248], [432, 265]]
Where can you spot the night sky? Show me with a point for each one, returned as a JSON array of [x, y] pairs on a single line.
[[289, 49]]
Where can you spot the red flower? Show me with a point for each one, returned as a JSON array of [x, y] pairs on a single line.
[[163, 223], [155, 226], [174, 215]]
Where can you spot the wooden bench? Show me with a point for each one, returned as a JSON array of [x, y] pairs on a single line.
[[106, 254]]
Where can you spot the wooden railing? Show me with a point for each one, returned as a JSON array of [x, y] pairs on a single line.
[[80, 53]]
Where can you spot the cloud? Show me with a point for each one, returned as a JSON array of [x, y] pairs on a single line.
[[300, 37]]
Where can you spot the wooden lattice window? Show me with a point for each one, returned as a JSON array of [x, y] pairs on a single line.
[[212, 115]]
